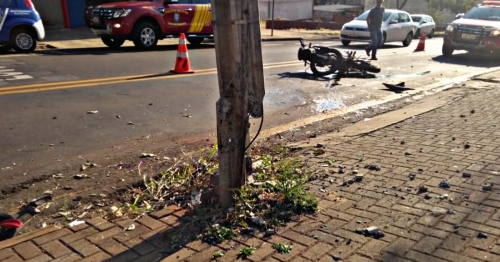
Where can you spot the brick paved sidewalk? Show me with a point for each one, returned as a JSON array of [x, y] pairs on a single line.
[[441, 224]]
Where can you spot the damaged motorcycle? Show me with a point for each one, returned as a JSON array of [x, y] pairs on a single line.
[[326, 61]]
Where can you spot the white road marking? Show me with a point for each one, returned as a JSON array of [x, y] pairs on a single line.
[[11, 75], [271, 44]]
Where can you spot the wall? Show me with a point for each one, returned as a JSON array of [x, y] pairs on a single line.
[[289, 9], [308, 25], [51, 13]]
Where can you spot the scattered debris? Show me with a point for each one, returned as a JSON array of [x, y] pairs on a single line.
[[450, 212], [467, 146], [397, 88], [33, 210], [412, 176], [80, 176], [269, 232], [92, 112], [348, 241], [466, 175], [76, 223], [444, 184], [130, 228], [373, 167], [358, 178], [372, 231], [488, 187], [40, 201], [422, 189], [146, 155], [444, 196], [58, 176], [218, 254], [482, 235], [427, 197], [319, 151], [87, 166], [336, 258]]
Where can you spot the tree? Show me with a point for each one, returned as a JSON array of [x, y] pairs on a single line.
[[455, 6], [435, 7]]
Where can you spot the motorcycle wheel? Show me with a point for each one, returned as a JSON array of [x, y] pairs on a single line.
[[334, 67], [366, 67]]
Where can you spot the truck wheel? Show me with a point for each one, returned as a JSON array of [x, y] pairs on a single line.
[[408, 39], [23, 40], [195, 40], [447, 51], [112, 42], [345, 42], [145, 35]]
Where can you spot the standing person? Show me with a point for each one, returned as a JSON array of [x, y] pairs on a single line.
[[374, 21]]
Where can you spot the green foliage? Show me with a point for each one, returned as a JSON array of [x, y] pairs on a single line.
[[282, 248], [218, 254], [279, 195], [217, 234], [247, 251]]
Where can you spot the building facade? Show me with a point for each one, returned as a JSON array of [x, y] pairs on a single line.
[[288, 9]]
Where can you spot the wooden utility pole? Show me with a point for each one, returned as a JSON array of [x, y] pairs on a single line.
[[241, 87]]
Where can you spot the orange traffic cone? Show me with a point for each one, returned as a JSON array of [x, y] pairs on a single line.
[[182, 65], [421, 43]]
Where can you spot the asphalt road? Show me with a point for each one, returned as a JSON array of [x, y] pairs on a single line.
[[45, 98]]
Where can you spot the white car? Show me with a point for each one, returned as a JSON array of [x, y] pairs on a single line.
[[424, 23], [396, 26]]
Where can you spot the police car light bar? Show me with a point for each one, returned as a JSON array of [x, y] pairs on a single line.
[[491, 2]]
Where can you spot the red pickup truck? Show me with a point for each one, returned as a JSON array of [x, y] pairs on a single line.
[[147, 21]]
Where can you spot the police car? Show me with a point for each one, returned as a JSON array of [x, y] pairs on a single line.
[[478, 30], [20, 25]]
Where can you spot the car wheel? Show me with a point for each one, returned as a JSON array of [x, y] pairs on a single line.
[[145, 35], [447, 50], [23, 40], [345, 42], [112, 42], [195, 40], [417, 34], [408, 39], [431, 35]]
